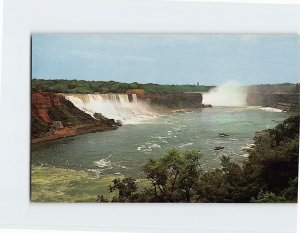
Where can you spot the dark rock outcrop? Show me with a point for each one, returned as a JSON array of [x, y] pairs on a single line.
[[283, 96], [174, 101], [283, 101]]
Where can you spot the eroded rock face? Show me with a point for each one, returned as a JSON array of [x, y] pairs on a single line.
[[41, 103], [53, 116], [284, 101], [284, 96]]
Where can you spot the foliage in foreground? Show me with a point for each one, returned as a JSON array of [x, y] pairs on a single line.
[[270, 174]]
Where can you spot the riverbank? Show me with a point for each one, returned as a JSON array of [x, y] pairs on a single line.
[[73, 131]]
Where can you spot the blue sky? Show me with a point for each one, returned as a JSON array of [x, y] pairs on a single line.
[[167, 58]]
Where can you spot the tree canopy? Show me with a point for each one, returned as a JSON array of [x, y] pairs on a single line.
[[82, 86]]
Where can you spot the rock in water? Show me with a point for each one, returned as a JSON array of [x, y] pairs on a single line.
[[219, 148]]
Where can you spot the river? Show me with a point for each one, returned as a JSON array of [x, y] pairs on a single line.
[[68, 169]]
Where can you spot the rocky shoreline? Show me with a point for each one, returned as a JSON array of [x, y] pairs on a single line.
[[73, 131]]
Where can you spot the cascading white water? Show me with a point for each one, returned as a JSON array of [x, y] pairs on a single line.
[[229, 94], [134, 97], [112, 106]]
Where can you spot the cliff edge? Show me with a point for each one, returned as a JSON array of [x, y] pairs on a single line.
[[52, 117]]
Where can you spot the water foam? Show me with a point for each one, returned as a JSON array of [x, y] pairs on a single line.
[[229, 94], [148, 147], [186, 144], [103, 163], [269, 109]]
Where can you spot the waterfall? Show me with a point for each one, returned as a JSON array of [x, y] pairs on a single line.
[[112, 106], [134, 97], [228, 94]]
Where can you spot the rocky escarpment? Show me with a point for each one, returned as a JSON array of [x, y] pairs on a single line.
[[283, 101], [283, 96], [173, 101], [52, 116]]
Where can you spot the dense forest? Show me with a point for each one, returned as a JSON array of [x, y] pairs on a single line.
[[81, 86], [270, 174]]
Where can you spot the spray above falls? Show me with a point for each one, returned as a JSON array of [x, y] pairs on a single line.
[[229, 94], [113, 106]]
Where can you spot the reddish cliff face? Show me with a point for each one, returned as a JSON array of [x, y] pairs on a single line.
[[41, 103], [49, 110]]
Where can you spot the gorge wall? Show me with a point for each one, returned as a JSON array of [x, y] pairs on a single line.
[[286, 101], [174, 101], [282, 96]]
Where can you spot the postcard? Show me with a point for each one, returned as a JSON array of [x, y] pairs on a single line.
[[176, 118]]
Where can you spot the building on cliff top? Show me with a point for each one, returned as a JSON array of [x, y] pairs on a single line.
[[135, 91]]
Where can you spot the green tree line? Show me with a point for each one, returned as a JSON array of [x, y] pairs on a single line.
[[270, 174], [82, 86]]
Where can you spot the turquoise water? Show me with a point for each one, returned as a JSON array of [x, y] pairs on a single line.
[[123, 151]]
